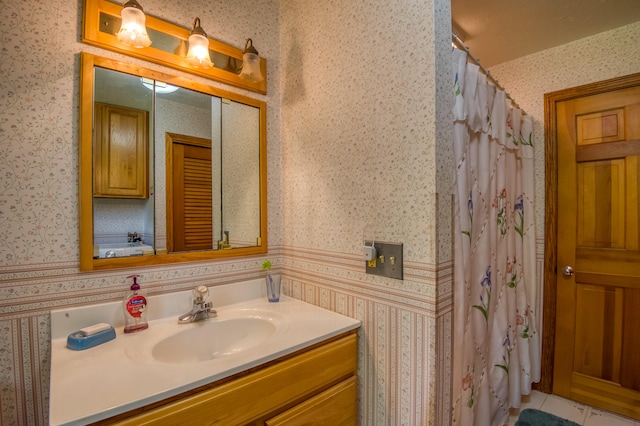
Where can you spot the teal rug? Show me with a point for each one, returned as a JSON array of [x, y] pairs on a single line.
[[532, 417]]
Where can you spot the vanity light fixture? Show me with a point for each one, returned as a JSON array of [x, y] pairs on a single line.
[[170, 45], [198, 55], [133, 31], [250, 63]]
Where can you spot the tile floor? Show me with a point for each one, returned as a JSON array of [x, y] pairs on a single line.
[[574, 411]]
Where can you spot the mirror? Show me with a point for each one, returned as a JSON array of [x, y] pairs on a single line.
[[170, 170]]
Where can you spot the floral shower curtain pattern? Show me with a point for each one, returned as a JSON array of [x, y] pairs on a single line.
[[496, 344]]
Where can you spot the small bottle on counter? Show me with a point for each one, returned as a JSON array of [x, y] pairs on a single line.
[[135, 308]]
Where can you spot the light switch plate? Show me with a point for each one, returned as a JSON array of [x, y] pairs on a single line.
[[388, 261]]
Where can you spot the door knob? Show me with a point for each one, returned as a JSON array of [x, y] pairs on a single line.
[[567, 271]]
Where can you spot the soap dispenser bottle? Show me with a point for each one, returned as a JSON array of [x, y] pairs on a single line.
[[135, 308]]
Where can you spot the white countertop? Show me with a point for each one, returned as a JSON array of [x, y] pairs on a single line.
[[121, 375]]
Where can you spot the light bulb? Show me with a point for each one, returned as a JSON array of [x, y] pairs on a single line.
[[132, 30], [251, 64], [198, 54]]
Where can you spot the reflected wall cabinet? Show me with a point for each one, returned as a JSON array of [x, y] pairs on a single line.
[[121, 160]]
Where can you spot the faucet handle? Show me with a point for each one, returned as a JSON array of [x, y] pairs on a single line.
[[200, 294]]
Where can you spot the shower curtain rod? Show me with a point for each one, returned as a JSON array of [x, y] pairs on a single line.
[[461, 45]]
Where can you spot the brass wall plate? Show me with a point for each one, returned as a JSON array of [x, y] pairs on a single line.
[[388, 261]]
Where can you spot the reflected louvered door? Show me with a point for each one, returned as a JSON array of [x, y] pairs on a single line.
[[597, 350], [192, 203]]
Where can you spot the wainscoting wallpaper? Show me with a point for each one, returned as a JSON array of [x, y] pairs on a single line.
[[399, 343]]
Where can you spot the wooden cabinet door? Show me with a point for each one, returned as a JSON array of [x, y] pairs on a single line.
[[335, 407], [121, 160], [597, 358], [263, 393]]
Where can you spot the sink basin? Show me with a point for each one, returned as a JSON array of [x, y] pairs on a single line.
[[174, 358], [122, 249], [213, 338]]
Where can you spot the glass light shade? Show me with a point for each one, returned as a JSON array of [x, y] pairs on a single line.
[[198, 55], [251, 67], [251, 64], [133, 31]]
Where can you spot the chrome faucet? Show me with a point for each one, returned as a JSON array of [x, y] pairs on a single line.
[[132, 237], [202, 309]]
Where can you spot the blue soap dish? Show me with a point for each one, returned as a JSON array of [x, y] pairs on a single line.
[[78, 341]]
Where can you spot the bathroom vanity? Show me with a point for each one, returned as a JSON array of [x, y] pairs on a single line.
[[255, 363], [318, 384]]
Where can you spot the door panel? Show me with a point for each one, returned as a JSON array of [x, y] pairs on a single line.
[[600, 127], [193, 201], [597, 360], [189, 194], [598, 331], [629, 371], [600, 218]]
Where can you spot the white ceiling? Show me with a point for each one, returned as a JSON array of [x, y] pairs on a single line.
[[497, 31]]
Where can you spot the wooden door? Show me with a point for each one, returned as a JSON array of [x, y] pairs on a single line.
[[597, 342], [189, 194]]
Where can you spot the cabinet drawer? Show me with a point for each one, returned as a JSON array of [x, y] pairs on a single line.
[[335, 406], [262, 392]]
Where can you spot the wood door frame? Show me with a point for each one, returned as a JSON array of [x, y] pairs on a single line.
[[551, 210]]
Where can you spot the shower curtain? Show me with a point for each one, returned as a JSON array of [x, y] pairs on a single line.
[[496, 343]]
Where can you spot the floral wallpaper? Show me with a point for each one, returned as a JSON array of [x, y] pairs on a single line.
[[39, 119], [357, 149], [38, 188], [362, 94]]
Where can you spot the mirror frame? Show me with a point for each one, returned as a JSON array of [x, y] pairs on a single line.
[[87, 262], [91, 34]]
